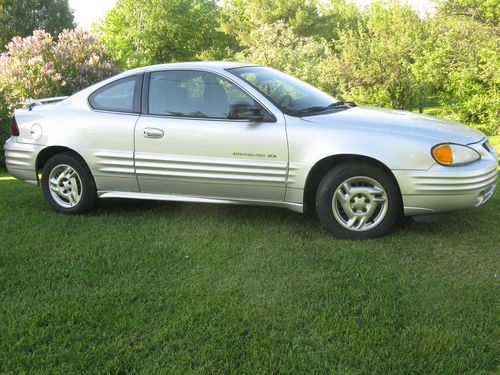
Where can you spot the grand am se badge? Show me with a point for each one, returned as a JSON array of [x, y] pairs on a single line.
[[253, 155]]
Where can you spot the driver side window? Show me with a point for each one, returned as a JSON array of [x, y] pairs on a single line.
[[194, 94]]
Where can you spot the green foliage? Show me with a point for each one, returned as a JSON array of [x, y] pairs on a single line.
[[461, 61], [483, 11], [305, 17], [142, 32], [337, 16], [373, 64], [242, 17], [22, 17], [278, 45]]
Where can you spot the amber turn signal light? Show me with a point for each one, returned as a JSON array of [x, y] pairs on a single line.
[[443, 154]]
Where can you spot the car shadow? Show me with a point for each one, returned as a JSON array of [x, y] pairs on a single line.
[[451, 224], [135, 206]]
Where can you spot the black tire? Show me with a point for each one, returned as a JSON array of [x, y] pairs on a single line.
[[87, 193], [379, 218]]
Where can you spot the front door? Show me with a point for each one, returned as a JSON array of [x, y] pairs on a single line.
[[186, 145]]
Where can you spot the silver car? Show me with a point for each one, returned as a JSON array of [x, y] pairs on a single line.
[[246, 134]]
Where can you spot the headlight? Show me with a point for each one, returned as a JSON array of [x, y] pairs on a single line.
[[452, 154]]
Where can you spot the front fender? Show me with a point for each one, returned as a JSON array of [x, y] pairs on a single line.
[[309, 143]]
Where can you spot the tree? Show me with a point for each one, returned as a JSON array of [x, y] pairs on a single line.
[[241, 17], [485, 12], [277, 45], [374, 64], [337, 16], [21, 17], [142, 32], [462, 61]]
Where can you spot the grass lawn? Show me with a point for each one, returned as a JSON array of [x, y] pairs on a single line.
[[434, 110], [495, 139], [187, 288]]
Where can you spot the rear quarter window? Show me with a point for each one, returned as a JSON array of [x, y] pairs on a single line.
[[118, 96]]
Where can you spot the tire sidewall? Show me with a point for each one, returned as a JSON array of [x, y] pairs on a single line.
[[341, 173]]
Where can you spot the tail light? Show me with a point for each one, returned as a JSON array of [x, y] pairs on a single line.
[[14, 129]]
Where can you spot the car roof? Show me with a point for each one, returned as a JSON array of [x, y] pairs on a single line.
[[215, 65]]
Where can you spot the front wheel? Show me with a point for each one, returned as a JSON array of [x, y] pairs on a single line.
[[358, 200], [68, 185]]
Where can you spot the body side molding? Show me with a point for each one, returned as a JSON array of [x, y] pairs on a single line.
[[193, 199]]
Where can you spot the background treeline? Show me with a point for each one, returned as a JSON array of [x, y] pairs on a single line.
[[385, 54]]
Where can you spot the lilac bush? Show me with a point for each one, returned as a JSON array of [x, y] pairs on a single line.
[[81, 60], [42, 65]]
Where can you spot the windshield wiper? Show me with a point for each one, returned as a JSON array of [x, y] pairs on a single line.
[[309, 110], [313, 109]]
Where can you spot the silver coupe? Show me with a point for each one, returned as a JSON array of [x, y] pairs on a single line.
[[221, 132]]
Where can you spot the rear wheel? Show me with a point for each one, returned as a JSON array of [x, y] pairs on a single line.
[[68, 185], [358, 201]]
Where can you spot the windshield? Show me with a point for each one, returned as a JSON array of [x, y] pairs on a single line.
[[289, 94]]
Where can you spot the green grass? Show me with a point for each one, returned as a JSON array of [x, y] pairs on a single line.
[[495, 139], [154, 287], [434, 110]]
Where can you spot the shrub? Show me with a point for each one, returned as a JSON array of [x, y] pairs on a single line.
[[42, 66]]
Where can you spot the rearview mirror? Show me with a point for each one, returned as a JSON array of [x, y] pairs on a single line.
[[245, 111]]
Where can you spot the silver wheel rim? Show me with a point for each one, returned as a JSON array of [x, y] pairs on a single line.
[[65, 186], [359, 203]]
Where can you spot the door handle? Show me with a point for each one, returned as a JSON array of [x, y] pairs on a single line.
[[152, 133]]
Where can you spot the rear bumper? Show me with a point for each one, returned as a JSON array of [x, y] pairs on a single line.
[[20, 159], [445, 189]]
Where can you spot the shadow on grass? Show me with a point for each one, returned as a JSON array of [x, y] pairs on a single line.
[[28, 201], [455, 224], [131, 207]]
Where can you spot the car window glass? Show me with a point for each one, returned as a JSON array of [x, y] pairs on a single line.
[[288, 93], [193, 94], [195, 87], [117, 96], [276, 89]]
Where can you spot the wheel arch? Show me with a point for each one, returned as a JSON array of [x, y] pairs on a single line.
[[48, 152], [324, 165]]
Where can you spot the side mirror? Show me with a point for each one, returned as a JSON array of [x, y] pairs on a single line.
[[245, 111]]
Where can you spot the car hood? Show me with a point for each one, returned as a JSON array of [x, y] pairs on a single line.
[[400, 122]]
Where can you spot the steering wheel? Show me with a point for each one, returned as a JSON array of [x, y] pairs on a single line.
[[286, 101]]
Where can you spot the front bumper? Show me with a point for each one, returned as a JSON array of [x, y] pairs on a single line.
[[444, 189], [20, 159]]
